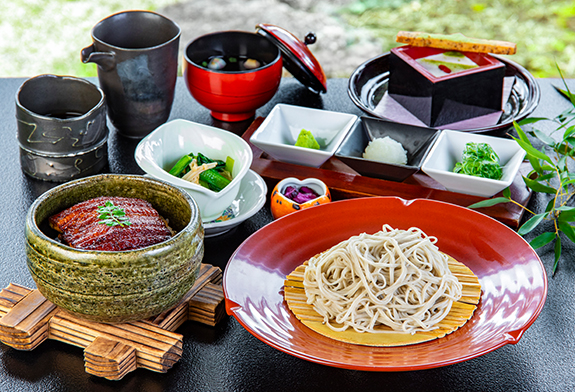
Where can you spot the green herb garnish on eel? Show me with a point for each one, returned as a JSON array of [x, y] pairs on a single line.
[[112, 215]]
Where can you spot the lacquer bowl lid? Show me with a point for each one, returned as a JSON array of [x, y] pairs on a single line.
[[297, 57]]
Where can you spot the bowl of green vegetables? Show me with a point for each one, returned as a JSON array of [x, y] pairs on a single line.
[[473, 164], [207, 162]]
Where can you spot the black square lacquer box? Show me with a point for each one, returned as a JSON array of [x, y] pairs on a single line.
[[445, 99]]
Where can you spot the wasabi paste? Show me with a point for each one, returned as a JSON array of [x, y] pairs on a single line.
[[306, 139]]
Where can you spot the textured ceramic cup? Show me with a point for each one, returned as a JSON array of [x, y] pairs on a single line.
[[137, 57], [114, 287], [62, 128]]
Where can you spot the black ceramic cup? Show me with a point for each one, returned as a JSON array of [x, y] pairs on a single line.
[[137, 57], [62, 129]]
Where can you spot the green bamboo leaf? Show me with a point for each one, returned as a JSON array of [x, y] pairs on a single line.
[[565, 93], [562, 163], [542, 240], [538, 187], [557, 254], [530, 150], [564, 119], [567, 214], [567, 149], [535, 164], [522, 135], [550, 205], [570, 95], [489, 202], [531, 223], [565, 115], [544, 138], [532, 120], [568, 132], [567, 229], [507, 193], [548, 168], [565, 180], [544, 177]]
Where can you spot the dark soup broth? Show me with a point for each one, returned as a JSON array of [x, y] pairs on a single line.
[[232, 63]]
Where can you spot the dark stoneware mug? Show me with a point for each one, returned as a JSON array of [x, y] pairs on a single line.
[[137, 57], [62, 130]]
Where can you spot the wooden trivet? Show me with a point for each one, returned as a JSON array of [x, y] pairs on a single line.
[[111, 350]]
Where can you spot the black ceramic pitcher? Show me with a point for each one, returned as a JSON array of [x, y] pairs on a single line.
[[137, 57]]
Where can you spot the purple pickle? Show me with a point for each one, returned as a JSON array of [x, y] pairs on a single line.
[[301, 195]]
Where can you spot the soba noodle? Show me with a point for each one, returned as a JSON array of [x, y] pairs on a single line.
[[397, 278]]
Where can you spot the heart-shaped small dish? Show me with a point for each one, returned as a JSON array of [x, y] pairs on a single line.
[[299, 192]]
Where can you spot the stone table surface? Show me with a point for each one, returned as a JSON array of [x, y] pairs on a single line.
[[229, 358]]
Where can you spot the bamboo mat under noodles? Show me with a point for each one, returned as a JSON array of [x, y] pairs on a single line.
[[461, 312]]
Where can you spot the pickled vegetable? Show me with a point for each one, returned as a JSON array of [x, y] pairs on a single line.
[[300, 195]]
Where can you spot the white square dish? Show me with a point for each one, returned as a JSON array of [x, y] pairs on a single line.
[[416, 141], [447, 151], [278, 133]]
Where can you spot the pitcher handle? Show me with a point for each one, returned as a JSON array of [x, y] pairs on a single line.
[[105, 60]]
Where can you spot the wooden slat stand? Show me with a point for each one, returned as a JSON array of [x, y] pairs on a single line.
[[111, 350]]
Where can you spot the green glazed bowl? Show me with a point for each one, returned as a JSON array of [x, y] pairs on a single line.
[[115, 287]]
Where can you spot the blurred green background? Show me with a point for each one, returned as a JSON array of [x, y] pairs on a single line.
[[544, 30], [46, 36]]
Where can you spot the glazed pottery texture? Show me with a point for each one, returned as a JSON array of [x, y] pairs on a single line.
[[115, 287]]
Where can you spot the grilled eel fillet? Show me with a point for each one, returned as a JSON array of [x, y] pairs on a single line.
[[79, 226]]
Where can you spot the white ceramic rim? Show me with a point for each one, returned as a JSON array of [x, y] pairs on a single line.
[[160, 173]]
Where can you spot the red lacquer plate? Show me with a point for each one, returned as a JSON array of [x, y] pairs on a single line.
[[513, 280]]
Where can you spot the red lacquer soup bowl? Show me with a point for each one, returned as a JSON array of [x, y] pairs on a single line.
[[513, 280], [232, 73]]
